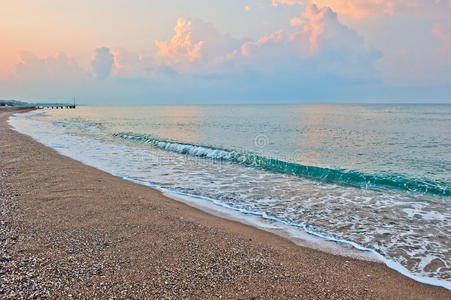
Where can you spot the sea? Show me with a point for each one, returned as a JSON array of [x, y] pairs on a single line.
[[374, 178]]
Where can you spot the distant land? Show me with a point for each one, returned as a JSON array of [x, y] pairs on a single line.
[[28, 104]]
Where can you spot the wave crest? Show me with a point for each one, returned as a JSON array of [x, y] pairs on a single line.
[[336, 176]]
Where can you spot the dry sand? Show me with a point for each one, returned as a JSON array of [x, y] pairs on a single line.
[[70, 230]]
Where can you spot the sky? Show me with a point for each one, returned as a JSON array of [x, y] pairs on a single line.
[[220, 52]]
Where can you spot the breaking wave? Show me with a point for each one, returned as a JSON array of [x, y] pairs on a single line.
[[337, 176]]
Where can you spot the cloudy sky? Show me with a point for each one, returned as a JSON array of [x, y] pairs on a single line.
[[234, 51]]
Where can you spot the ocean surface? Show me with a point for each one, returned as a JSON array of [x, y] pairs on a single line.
[[377, 177]]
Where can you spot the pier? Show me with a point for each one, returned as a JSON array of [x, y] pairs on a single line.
[[63, 106]]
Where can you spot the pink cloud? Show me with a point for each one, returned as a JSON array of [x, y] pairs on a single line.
[[59, 65], [195, 42], [318, 21], [443, 34], [322, 45], [365, 8], [182, 46], [320, 30], [274, 38], [288, 2]]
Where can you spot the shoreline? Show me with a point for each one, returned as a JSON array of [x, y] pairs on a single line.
[[282, 269]]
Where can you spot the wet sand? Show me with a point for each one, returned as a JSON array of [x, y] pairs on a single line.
[[68, 229]]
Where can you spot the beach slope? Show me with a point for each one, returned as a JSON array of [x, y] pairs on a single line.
[[68, 229]]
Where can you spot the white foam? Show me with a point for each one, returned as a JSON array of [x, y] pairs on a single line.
[[299, 237]]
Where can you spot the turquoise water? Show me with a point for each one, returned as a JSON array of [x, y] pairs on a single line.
[[376, 175]]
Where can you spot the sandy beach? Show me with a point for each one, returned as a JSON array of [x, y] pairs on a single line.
[[70, 230]]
